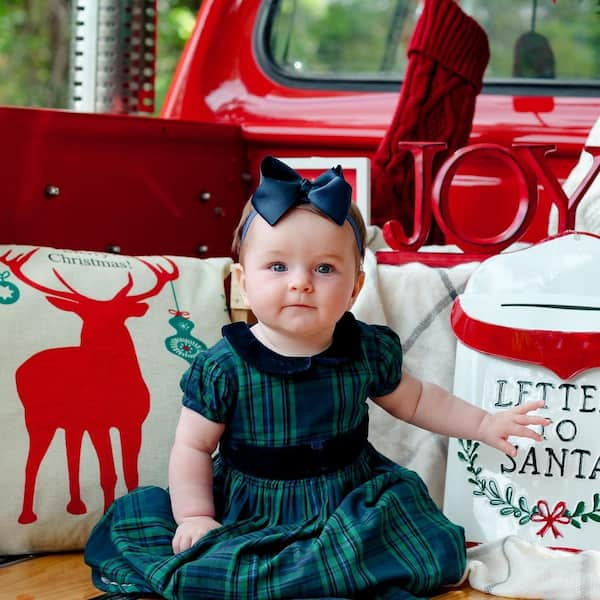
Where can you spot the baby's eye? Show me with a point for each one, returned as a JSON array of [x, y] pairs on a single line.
[[324, 268], [278, 267]]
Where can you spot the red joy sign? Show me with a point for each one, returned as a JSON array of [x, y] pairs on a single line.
[[526, 161]]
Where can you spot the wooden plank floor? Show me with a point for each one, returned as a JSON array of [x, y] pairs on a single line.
[[54, 577], [67, 577]]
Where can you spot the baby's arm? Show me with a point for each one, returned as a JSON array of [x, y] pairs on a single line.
[[431, 407], [191, 477]]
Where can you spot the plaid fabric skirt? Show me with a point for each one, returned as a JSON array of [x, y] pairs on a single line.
[[370, 530]]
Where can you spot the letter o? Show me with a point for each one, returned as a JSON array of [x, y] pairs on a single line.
[[559, 430], [527, 191]]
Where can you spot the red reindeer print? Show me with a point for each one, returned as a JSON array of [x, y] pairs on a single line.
[[91, 388]]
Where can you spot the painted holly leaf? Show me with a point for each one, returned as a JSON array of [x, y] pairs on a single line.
[[540, 512]]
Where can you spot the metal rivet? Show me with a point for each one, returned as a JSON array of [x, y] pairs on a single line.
[[204, 197], [202, 249], [52, 191], [218, 211], [246, 177], [113, 248]]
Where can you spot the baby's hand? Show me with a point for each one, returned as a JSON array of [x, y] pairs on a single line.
[[190, 531], [495, 429]]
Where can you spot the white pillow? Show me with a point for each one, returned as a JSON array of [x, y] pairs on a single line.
[[93, 348]]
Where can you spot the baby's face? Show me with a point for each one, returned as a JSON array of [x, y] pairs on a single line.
[[300, 276]]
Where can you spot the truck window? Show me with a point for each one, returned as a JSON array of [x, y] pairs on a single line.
[[357, 41]]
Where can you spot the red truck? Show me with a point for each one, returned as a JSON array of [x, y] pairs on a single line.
[[253, 81]]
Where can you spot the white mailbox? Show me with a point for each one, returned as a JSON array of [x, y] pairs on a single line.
[[528, 328]]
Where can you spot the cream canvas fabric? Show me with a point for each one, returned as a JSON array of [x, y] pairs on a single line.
[[415, 301], [93, 348]]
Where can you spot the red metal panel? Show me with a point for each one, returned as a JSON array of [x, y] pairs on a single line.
[[90, 181]]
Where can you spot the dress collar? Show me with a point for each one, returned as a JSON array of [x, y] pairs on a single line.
[[345, 347]]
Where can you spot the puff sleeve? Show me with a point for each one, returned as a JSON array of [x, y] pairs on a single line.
[[385, 357], [207, 389]]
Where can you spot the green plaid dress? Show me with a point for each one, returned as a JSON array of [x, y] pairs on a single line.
[[366, 530]]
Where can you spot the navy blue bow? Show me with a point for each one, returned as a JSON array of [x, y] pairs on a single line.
[[281, 188]]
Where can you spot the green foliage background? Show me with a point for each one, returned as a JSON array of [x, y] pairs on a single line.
[[337, 38], [34, 49]]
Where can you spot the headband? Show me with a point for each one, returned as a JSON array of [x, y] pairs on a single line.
[[281, 188]]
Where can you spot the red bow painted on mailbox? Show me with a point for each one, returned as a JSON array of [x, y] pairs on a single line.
[[550, 518]]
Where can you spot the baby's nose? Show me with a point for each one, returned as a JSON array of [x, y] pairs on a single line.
[[300, 281]]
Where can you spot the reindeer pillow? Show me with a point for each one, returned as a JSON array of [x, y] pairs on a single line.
[[93, 348]]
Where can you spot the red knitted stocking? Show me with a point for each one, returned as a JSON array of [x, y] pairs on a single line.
[[447, 56]]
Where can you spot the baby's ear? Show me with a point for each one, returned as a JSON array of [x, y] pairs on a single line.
[[358, 285], [238, 285]]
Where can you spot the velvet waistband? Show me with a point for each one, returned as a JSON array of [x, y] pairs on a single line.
[[299, 461]]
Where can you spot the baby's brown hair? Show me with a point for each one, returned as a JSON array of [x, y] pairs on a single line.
[[353, 211]]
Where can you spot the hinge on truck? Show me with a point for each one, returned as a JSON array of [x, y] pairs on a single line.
[[113, 55]]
